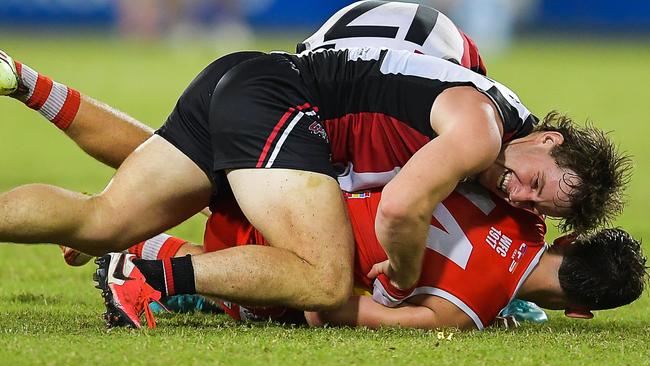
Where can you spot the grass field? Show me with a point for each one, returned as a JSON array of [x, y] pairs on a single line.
[[50, 313]]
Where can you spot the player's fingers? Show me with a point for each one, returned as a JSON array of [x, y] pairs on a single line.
[[373, 272], [377, 269]]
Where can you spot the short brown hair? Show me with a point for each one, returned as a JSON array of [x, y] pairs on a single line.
[[602, 170]]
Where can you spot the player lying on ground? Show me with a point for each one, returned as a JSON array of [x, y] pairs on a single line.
[[291, 113], [481, 252], [461, 102]]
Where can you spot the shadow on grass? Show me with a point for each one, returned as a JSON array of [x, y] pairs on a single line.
[[33, 299]]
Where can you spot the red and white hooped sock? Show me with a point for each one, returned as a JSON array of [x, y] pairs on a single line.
[[55, 101], [161, 246]]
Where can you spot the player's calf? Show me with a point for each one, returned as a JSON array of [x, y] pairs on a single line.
[[159, 247], [41, 213]]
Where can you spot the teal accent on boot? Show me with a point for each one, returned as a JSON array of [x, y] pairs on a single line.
[[185, 304], [525, 311]]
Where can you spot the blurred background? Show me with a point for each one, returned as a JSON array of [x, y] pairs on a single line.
[[590, 59], [493, 23]]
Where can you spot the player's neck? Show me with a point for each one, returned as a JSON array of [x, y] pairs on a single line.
[[543, 285]]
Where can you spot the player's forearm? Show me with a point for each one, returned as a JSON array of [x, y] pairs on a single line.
[[403, 238], [106, 134], [362, 311], [403, 219], [346, 315]]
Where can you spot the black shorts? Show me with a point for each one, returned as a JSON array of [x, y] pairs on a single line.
[[248, 110]]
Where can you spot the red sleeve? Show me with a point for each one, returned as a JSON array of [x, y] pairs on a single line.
[[471, 57]]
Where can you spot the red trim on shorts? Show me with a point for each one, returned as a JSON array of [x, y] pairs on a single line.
[[69, 110], [42, 91], [169, 277], [276, 130], [305, 106], [273, 135]]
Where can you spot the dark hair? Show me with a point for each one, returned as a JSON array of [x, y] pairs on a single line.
[[603, 270], [602, 171]]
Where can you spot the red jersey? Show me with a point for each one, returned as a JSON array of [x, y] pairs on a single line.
[[479, 248]]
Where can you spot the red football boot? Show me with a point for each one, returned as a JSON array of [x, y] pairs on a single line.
[[125, 291]]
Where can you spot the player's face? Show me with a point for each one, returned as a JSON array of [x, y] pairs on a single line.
[[528, 177]]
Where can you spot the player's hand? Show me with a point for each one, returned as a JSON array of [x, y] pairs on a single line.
[[384, 272], [506, 322], [381, 268], [397, 280]]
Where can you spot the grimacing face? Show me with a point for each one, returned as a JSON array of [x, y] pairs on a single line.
[[526, 175]]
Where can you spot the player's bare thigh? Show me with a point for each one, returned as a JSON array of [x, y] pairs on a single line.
[[156, 188], [302, 212]]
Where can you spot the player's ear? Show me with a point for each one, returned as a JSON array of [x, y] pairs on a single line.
[[551, 137], [578, 313]]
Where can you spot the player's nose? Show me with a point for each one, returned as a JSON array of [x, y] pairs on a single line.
[[524, 198], [524, 194]]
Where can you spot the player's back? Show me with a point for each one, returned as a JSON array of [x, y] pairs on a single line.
[[398, 26], [376, 105], [479, 250]]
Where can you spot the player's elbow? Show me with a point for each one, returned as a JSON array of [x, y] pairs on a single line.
[[393, 207], [398, 212]]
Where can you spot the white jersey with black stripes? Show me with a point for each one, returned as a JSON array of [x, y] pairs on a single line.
[[393, 25]]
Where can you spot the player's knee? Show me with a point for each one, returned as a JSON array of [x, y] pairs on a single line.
[[103, 229], [333, 290], [335, 296]]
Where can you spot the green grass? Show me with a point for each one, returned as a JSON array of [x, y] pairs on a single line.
[[50, 314]]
